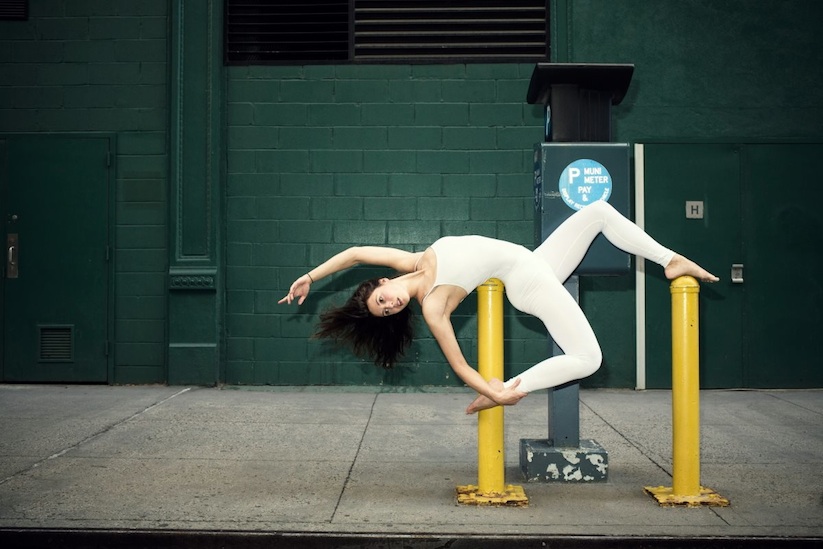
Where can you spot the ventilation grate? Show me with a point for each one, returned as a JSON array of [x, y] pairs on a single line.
[[14, 10], [391, 31], [261, 31], [438, 30], [56, 344]]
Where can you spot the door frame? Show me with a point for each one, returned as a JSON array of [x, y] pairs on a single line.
[[111, 193]]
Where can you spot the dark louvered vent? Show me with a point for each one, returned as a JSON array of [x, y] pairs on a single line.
[[56, 344], [284, 31], [14, 10], [352, 31], [450, 30]]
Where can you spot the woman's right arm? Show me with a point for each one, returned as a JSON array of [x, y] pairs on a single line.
[[398, 260]]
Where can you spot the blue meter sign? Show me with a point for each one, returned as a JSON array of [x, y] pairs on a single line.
[[584, 181]]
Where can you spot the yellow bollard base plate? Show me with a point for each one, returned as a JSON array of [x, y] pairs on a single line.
[[514, 496], [666, 497]]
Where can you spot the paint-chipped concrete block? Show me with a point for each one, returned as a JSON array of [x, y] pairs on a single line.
[[542, 462]]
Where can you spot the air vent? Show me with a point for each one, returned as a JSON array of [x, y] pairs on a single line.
[[56, 343], [14, 10], [438, 30], [389, 31], [262, 31]]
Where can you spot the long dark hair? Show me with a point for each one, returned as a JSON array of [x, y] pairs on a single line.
[[383, 339]]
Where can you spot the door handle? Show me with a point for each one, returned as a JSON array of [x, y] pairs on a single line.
[[13, 256], [737, 273]]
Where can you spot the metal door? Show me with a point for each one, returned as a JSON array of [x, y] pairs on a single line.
[[709, 175], [761, 231], [56, 275]]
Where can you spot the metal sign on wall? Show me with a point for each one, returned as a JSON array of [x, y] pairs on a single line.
[[570, 176]]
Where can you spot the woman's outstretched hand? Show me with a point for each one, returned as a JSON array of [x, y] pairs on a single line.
[[507, 396], [299, 290]]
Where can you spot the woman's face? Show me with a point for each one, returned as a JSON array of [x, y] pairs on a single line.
[[388, 298]]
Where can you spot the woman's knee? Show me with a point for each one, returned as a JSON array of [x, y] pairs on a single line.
[[590, 361]]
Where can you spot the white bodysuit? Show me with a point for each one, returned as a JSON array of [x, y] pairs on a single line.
[[534, 282]]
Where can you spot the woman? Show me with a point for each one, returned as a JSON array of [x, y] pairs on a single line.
[[376, 320]]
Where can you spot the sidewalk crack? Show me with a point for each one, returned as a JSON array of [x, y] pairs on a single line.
[[354, 460]]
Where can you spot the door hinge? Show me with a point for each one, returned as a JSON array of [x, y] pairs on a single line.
[[108, 159], [106, 348], [108, 253]]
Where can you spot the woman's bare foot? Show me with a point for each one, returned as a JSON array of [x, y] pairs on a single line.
[[482, 402], [682, 266]]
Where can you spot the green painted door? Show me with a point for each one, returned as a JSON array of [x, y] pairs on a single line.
[[56, 275], [764, 330], [783, 242]]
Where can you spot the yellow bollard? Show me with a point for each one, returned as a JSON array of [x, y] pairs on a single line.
[[686, 489], [491, 488]]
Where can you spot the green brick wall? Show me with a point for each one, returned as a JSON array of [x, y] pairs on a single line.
[[322, 157], [100, 66]]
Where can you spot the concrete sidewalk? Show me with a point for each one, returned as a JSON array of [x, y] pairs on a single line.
[[146, 464]]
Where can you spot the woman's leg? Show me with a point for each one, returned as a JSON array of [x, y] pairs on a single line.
[[565, 248]]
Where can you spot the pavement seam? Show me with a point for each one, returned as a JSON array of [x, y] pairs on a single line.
[[354, 460], [91, 437]]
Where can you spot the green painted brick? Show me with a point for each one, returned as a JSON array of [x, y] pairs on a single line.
[[297, 184], [497, 162], [281, 161], [141, 190], [140, 331], [330, 115], [151, 213], [111, 28], [136, 237], [139, 354], [239, 253], [391, 208], [371, 72], [482, 71], [519, 137], [240, 114], [336, 207], [442, 162], [253, 325], [515, 184], [307, 231], [335, 161], [440, 72], [441, 114], [469, 91], [519, 232], [141, 307], [117, 73], [389, 161], [141, 284], [361, 184], [415, 185], [295, 137], [415, 91], [139, 50], [360, 232], [283, 207], [142, 260], [268, 114], [469, 138], [430, 208], [500, 209], [360, 91], [253, 230], [254, 91], [153, 72], [281, 349], [306, 91], [359, 137], [457, 228], [253, 137], [496, 114], [415, 138], [512, 91], [469, 185], [240, 348], [318, 72], [253, 184], [387, 114], [243, 277], [412, 233]]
